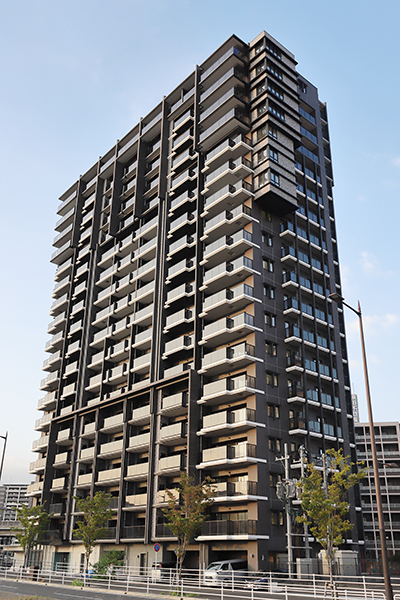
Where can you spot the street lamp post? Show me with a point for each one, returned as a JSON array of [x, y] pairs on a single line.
[[3, 437], [388, 585]]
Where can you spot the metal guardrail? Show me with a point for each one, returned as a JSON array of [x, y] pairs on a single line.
[[246, 586]]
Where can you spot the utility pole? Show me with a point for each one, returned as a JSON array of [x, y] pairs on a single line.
[[285, 490], [4, 437], [302, 472]]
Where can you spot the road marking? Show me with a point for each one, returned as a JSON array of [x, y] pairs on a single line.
[[11, 587]]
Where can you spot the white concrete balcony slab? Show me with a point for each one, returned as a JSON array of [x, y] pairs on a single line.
[[109, 477], [113, 424], [174, 405], [84, 481], [137, 472], [111, 450], [140, 416], [87, 455], [139, 442], [62, 460], [34, 489], [171, 464], [173, 434], [37, 466], [64, 437], [58, 484], [135, 502], [89, 431]]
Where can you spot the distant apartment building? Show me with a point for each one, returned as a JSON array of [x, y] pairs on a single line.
[[12, 496], [192, 328], [387, 437], [356, 412]]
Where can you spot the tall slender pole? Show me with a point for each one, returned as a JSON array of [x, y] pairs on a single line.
[[302, 472], [385, 564], [288, 515], [4, 437]]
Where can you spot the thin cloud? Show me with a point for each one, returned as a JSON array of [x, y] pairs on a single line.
[[369, 263], [374, 323], [396, 161]]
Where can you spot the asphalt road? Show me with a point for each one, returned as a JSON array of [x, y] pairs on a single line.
[[40, 590]]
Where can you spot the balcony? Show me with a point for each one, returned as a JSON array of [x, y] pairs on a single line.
[[172, 465], [228, 491], [183, 342], [223, 274], [89, 431], [135, 502], [141, 364], [182, 291], [133, 532], [221, 129], [227, 222], [182, 316], [232, 357], [85, 481], [243, 453], [162, 496], [37, 466], [35, 489], [173, 434], [139, 442], [58, 485], [49, 401], [40, 444], [109, 477], [174, 405], [228, 247], [243, 530], [141, 415], [227, 301], [113, 424], [296, 393], [117, 374], [62, 460], [64, 438], [177, 369], [228, 197], [137, 472], [143, 339], [230, 388], [186, 265], [226, 422], [163, 531], [43, 424], [87, 455], [228, 173], [228, 329], [111, 450]]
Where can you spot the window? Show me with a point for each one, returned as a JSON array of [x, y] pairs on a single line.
[[273, 155], [276, 111], [274, 479], [262, 132], [302, 87], [268, 265], [275, 91], [274, 70], [269, 292], [262, 180], [270, 319], [273, 411], [271, 349], [266, 215], [274, 178], [261, 109], [274, 444], [272, 132], [261, 87], [260, 67], [272, 49], [259, 47], [272, 379], [276, 517], [261, 155], [267, 239]]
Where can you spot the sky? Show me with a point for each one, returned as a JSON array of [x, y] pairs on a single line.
[[78, 75]]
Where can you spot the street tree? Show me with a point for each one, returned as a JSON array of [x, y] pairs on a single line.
[[96, 512], [186, 514], [324, 502], [33, 522]]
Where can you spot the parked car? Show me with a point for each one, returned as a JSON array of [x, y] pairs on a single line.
[[228, 572]]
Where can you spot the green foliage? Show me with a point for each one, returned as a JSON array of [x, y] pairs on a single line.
[[110, 559], [325, 511], [186, 516], [77, 583], [33, 524], [96, 513]]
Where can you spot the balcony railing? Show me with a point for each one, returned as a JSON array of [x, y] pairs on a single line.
[[222, 528], [133, 532]]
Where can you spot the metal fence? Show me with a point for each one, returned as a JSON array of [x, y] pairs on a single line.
[[246, 585]]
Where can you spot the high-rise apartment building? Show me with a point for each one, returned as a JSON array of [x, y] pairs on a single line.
[[12, 496], [387, 437], [192, 329]]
